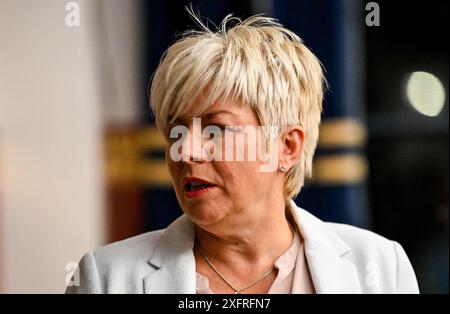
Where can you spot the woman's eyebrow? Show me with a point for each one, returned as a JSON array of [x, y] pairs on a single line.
[[215, 113], [206, 116]]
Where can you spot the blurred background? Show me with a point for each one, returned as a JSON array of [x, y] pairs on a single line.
[[82, 165]]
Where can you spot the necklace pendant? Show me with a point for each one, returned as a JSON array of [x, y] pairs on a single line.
[[237, 292]]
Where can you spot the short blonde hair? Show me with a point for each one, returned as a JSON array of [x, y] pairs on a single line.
[[257, 62]]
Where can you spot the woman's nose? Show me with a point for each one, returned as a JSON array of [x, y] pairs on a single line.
[[191, 149]]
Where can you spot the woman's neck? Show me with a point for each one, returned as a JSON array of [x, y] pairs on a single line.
[[256, 243]]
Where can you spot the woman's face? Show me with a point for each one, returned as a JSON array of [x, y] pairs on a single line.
[[232, 191]]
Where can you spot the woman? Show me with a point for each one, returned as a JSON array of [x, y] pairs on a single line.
[[241, 232]]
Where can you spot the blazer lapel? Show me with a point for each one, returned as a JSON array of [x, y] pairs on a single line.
[[173, 263], [324, 250]]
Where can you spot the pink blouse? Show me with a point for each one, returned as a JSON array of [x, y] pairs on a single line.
[[292, 261]]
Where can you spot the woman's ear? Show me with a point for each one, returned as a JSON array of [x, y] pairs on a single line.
[[291, 146]]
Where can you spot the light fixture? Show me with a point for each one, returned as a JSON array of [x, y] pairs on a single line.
[[426, 93]]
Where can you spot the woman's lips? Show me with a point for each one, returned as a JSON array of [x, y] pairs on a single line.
[[194, 187], [195, 193], [188, 180]]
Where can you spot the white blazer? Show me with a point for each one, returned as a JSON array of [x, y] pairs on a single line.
[[341, 259]]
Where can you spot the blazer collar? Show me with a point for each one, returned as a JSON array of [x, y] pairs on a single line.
[[173, 262], [324, 250]]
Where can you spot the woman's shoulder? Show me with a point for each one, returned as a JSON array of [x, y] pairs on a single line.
[[369, 247], [115, 267], [343, 235], [361, 246], [377, 257], [134, 248], [365, 244], [356, 236]]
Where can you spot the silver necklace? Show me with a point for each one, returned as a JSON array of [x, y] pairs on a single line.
[[237, 291]]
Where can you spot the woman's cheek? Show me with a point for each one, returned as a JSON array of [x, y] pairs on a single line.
[[234, 174]]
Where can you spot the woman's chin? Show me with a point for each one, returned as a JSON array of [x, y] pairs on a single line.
[[203, 216]]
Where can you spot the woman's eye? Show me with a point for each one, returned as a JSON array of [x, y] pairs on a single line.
[[215, 126], [213, 130], [223, 127], [234, 128]]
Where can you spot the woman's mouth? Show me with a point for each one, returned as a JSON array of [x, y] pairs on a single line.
[[194, 187]]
